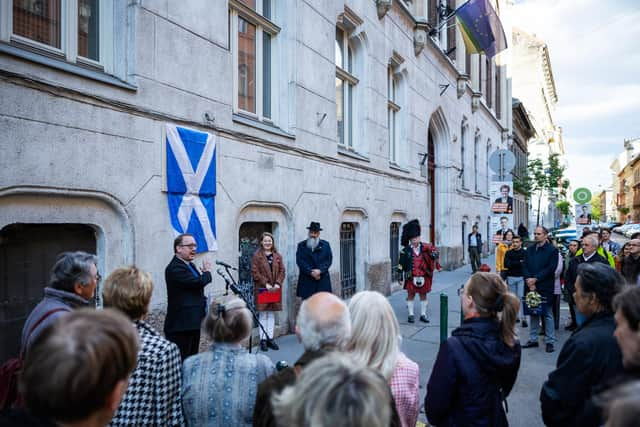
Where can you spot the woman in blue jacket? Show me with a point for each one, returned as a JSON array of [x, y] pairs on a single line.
[[477, 366]]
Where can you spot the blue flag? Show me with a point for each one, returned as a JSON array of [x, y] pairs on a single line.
[[191, 184], [481, 28]]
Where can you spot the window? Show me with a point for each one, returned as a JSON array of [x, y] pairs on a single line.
[[498, 105], [463, 142], [252, 43], [489, 79], [486, 160], [392, 116], [345, 85], [76, 31], [394, 250], [437, 15], [476, 143]]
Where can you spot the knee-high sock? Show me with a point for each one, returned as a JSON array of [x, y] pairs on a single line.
[[410, 307], [423, 307]]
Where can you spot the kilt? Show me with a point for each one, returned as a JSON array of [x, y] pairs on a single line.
[[423, 290]]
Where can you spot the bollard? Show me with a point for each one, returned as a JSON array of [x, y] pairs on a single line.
[[444, 317]]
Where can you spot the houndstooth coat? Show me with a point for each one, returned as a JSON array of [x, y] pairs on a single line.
[[153, 395]]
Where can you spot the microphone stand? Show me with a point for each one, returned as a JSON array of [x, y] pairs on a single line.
[[233, 285]]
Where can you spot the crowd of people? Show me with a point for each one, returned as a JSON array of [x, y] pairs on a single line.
[[83, 366]]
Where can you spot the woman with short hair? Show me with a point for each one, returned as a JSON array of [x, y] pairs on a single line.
[[477, 366], [589, 357], [219, 386], [153, 396], [375, 342]]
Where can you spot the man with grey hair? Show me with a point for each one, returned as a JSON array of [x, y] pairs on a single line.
[[73, 282], [322, 326], [335, 391]]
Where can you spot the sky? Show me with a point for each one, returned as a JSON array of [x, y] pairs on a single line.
[[594, 46]]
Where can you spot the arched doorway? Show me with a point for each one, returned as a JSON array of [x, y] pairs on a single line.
[[431, 177]]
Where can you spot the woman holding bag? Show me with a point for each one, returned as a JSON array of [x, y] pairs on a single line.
[[268, 272]]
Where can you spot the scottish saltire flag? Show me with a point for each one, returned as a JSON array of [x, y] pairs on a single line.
[[481, 28], [191, 184]]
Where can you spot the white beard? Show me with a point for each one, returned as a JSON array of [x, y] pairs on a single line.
[[313, 242]]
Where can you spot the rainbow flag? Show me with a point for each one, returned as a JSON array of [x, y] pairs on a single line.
[[481, 28]]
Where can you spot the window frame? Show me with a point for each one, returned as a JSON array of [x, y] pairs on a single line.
[[263, 25], [393, 110], [349, 83], [68, 50]]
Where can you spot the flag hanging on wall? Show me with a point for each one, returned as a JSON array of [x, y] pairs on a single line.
[[191, 184], [481, 28]]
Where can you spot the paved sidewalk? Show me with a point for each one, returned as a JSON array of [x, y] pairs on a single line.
[[421, 341]]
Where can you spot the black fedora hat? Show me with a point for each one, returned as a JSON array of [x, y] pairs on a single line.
[[314, 226]]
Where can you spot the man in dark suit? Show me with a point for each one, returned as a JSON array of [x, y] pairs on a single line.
[[313, 258], [504, 203], [185, 295], [474, 243]]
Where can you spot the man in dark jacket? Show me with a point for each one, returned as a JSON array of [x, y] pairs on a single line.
[[540, 262], [589, 255], [314, 259], [513, 261], [185, 296], [474, 243]]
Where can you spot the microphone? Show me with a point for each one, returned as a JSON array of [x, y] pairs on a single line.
[[224, 264], [226, 280]]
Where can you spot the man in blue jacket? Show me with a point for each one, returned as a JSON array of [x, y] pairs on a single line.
[[313, 258], [540, 262]]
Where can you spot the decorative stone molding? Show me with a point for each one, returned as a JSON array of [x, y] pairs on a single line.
[[461, 84], [475, 101], [383, 7], [420, 36]]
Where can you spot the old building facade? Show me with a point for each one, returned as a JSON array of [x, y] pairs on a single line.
[[523, 132], [358, 114]]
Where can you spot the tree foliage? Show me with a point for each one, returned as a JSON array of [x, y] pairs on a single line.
[[595, 207]]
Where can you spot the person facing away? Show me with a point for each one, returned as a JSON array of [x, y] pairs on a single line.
[[153, 395], [76, 371], [539, 267], [313, 258], [73, 282], [323, 325], [335, 391], [589, 357], [477, 366], [268, 273], [375, 342], [219, 386], [474, 243], [186, 303]]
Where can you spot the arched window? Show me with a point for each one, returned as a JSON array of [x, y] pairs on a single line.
[[346, 82]]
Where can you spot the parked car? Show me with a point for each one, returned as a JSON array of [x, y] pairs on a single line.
[[631, 230]]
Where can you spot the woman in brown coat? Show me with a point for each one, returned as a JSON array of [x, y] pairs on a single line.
[[267, 270]]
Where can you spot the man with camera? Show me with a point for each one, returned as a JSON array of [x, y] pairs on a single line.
[[417, 263]]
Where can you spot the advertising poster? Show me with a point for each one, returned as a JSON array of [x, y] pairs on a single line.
[[500, 224], [501, 197], [583, 215]]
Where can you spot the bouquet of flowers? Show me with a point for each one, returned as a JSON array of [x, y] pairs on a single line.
[[533, 303]]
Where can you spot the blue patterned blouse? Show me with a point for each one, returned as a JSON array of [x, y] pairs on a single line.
[[219, 386]]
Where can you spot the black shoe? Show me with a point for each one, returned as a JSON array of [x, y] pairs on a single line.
[[263, 345], [411, 319], [424, 319], [549, 348], [531, 344], [517, 320], [272, 345], [525, 324], [571, 327]]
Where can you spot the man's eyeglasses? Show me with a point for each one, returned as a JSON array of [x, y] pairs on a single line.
[[191, 246]]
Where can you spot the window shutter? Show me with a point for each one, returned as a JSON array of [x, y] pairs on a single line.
[[433, 13], [487, 96], [498, 93], [451, 31]]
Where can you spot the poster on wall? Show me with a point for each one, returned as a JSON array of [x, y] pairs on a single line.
[[583, 214], [501, 196], [500, 224]]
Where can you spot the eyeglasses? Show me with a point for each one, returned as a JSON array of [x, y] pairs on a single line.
[[98, 277], [191, 246]]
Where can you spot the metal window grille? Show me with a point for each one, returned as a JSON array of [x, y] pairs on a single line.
[[248, 247], [394, 250], [348, 259]]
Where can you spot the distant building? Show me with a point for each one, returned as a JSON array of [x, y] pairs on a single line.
[[626, 182], [523, 132]]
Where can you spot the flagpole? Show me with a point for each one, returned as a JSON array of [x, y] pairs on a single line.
[[451, 15]]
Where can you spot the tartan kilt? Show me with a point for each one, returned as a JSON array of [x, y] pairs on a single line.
[[423, 290]]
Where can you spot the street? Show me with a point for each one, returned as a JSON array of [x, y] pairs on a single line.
[[420, 343]]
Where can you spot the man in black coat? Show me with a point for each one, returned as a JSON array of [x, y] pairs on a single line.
[[185, 296], [314, 259], [474, 243], [540, 262]]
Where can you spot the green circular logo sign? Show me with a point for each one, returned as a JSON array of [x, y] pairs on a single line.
[[582, 195]]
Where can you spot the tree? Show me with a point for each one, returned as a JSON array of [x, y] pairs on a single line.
[[595, 208], [542, 178]]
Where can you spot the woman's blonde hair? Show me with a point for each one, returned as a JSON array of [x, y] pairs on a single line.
[[274, 249], [493, 299], [129, 290], [375, 336], [229, 322]]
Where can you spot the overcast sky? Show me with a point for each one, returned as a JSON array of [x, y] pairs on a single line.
[[594, 47]]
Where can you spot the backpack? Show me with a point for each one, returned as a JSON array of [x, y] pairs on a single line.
[[11, 369]]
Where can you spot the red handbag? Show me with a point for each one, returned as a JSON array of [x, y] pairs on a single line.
[[11, 369], [266, 297]]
